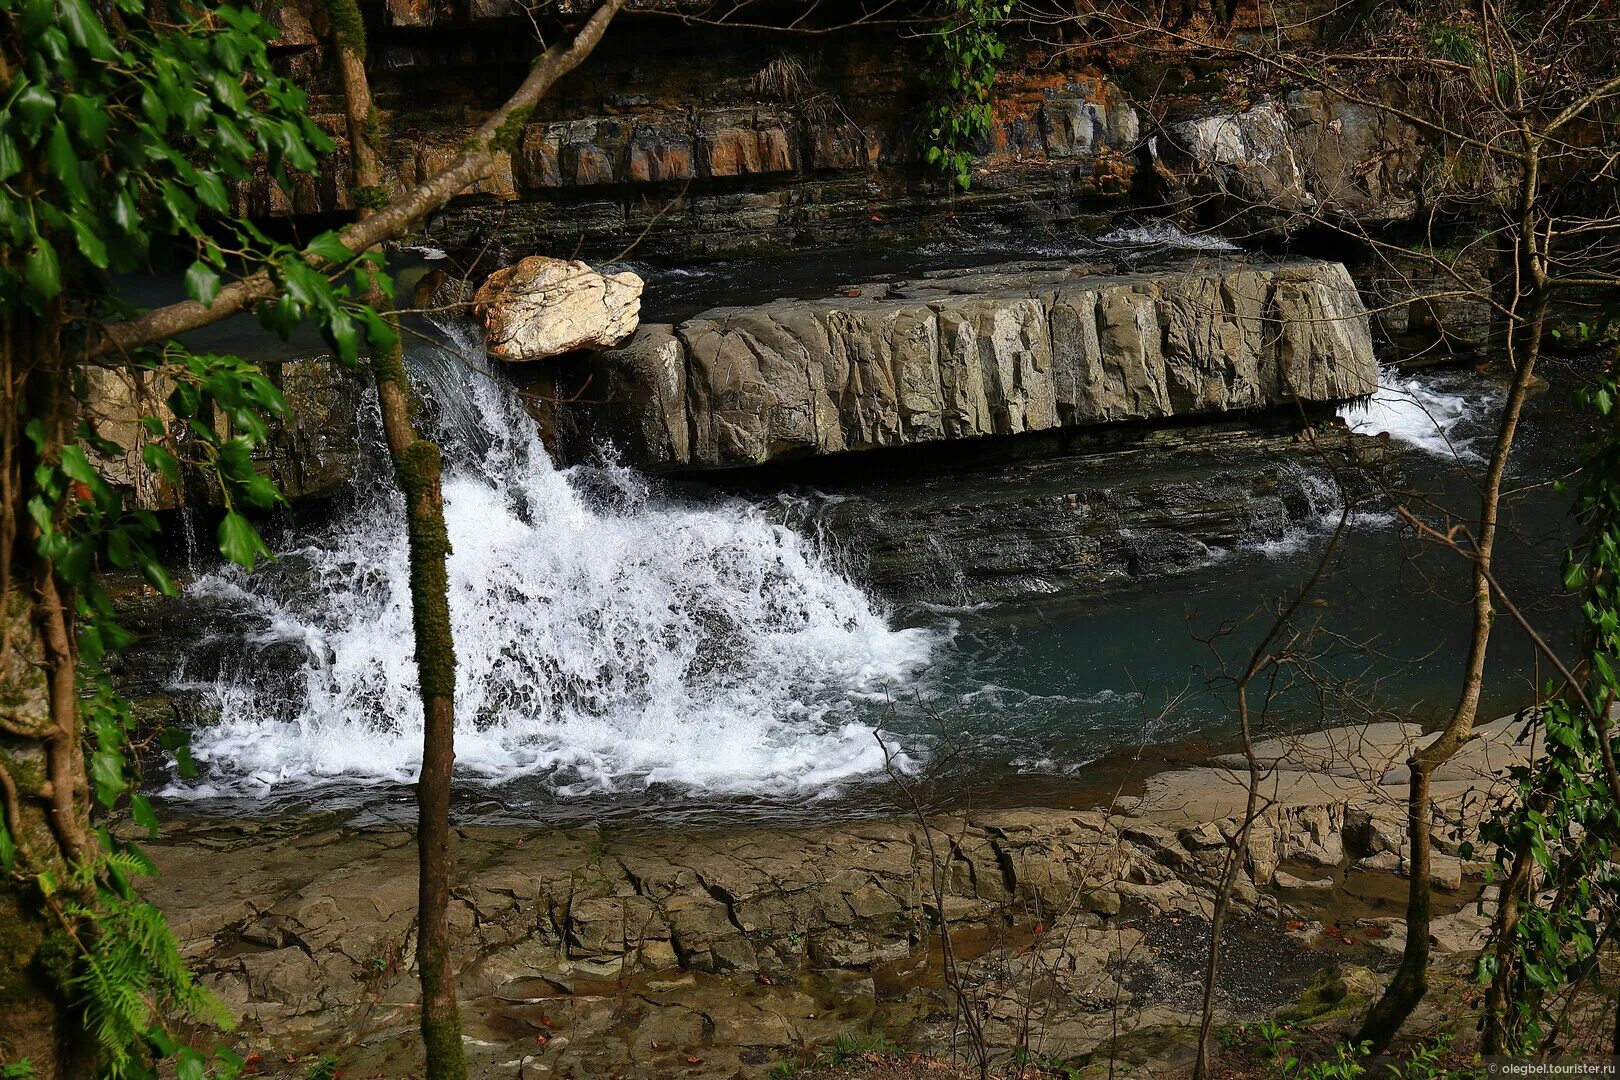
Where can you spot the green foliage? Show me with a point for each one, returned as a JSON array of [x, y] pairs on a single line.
[[110, 138], [965, 53], [347, 26], [119, 133], [1347, 1063], [1453, 41], [324, 1069], [1564, 812], [848, 1046], [1426, 1061], [1274, 1038], [510, 133], [132, 981], [368, 198]]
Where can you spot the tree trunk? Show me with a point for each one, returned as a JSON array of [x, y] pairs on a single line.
[[417, 472], [1410, 981], [416, 469], [44, 795]]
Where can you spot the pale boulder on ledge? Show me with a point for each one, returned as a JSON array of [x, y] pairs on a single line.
[[546, 307]]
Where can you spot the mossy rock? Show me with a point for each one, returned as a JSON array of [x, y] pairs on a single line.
[[1328, 996], [1154, 1043]]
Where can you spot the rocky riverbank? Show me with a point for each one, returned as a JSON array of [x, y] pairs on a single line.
[[720, 952]]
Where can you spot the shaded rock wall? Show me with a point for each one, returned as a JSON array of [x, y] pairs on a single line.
[[688, 139], [1282, 164], [310, 454], [1004, 351]]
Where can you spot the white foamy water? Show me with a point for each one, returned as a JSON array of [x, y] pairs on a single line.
[[609, 638], [1417, 410], [1165, 234]]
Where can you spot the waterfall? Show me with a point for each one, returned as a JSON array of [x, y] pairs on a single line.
[[610, 636], [1424, 411]]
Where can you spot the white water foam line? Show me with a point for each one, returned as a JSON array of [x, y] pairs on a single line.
[[1421, 411], [1165, 234], [609, 638]]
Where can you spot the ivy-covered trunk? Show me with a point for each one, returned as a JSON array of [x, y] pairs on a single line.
[[416, 470], [43, 791]]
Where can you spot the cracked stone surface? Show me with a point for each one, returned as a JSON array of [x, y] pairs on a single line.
[[718, 952]]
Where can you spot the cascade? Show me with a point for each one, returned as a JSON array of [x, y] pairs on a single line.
[[610, 635]]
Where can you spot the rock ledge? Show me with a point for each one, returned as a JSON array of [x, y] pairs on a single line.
[[1009, 349]]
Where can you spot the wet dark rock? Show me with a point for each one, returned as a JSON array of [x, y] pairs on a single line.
[[1171, 501]]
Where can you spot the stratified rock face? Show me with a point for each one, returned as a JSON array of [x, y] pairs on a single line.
[[1001, 351], [312, 453], [546, 307], [1282, 163]]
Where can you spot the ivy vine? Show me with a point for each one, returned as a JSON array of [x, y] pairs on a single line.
[[121, 127], [965, 52], [1553, 841]]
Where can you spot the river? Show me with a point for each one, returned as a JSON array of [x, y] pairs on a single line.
[[631, 649]]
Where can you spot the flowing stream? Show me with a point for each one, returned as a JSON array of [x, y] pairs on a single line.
[[607, 637], [626, 646]]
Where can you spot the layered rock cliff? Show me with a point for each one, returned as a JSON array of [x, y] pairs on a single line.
[[1001, 351], [691, 132]]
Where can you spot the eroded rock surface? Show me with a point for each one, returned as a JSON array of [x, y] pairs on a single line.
[[718, 952], [311, 453], [1282, 163], [1002, 351], [543, 307]]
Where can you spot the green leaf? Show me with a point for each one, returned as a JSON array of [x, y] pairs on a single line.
[[379, 335], [210, 190], [34, 105], [62, 161], [158, 577], [202, 283], [181, 206], [41, 271], [240, 542], [77, 466], [90, 245], [118, 549], [345, 337], [329, 246], [88, 118], [123, 213], [259, 492], [84, 29], [190, 1066], [159, 460], [107, 773], [10, 156]]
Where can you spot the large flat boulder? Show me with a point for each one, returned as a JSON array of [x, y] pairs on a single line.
[[1000, 351]]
